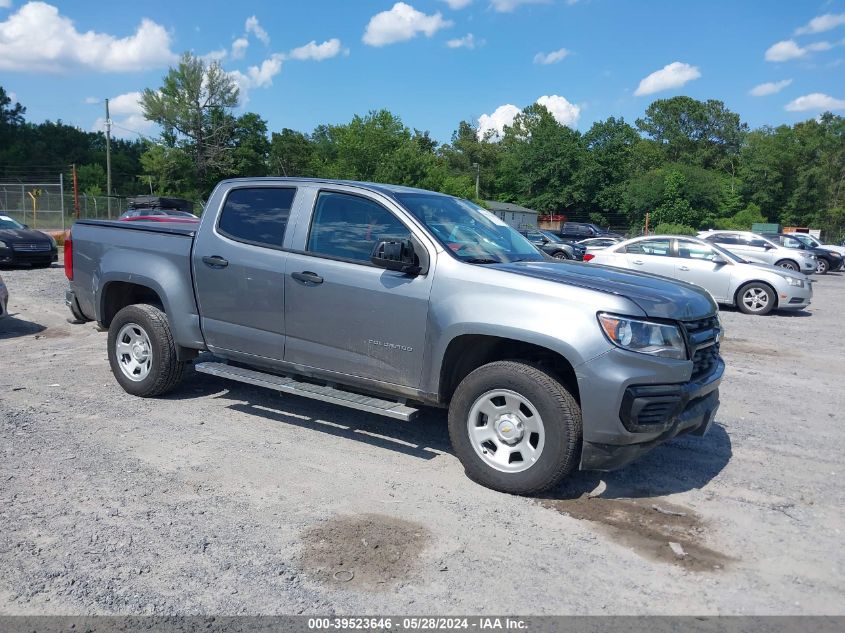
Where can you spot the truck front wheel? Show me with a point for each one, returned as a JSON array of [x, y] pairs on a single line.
[[515, 427], [142, 352]]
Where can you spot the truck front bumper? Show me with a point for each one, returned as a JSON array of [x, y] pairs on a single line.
[[645, 411]]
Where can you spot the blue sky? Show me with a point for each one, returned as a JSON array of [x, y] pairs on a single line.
[[590, 58]]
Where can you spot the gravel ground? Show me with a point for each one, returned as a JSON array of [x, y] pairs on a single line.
[[227, 499]]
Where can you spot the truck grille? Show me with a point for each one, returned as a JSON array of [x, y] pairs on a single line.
[[703, 336], [31, 247]]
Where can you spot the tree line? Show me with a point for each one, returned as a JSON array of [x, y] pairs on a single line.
[[689, 164]]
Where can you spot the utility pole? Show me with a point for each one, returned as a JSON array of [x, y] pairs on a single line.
[[477, 179], [75, 192], [647, 215], [108, 158]]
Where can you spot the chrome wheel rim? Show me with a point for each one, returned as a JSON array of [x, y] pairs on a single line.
[[560, 256], [134, 352], [755, 299], [789, 266], [506, 431], [821, 266]]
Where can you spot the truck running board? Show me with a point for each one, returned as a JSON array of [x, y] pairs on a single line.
[[284, 384]]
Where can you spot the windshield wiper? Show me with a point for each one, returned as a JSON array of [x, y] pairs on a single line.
[[482, 260]]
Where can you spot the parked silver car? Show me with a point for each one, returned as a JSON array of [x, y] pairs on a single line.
[[757, 248], [753, 288]]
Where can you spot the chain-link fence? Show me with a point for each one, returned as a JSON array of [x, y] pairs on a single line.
[[46, 205]]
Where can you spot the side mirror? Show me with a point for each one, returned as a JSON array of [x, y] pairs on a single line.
[[768, 247], [26, 226], [397, 255]]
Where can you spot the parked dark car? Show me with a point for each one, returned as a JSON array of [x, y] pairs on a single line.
[[20, 244], [578, 231], [826, 258], [554, 245]]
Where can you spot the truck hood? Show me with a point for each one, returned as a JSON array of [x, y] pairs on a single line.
[[657, 296]]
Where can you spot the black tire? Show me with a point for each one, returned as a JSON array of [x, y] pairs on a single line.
[[165, 369], [788, 264], [42, 265], [561, 419], [560, 255], [822, 266], [757, 286]]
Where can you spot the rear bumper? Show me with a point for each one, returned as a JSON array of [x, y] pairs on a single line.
[[648, 414]]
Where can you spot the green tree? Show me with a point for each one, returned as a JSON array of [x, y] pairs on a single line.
[[540, 161], [291, 154], [608, 162], [702, 133], [193, 107], [250, 146]]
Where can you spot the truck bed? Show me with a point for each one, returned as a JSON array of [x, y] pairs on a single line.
[[110, 257]]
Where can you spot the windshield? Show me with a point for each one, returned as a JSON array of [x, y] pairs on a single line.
[[471, 233], [8, 223], [807, 240], [551, 236]]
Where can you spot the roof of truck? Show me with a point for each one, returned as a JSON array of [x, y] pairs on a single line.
[[387, 189]]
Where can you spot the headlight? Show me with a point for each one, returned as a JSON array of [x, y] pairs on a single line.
[[3, 244], [645, 337], [794, 281]]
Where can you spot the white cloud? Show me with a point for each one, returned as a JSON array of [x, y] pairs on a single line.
[[789, 49], [785, 50], [551, 58], [317, 52], [822, 23], [252, 26], [496, 122], [467, 41], [257, 76], [769, 88], [815, 101], [672, 75], [493, 125], [91, 100], [506, 6], [215, 56], [457, 4], [819, 46], [402, 22], [239, 47], [38, 39], [5, 4], [563, 111], [13, 96]]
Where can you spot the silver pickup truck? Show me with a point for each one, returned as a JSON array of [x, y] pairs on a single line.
[[386, 298]]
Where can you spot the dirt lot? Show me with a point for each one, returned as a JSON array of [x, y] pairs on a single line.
[[226, 498]]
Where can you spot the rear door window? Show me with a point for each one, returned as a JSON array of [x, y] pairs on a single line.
[[257, 215], [659, 247]]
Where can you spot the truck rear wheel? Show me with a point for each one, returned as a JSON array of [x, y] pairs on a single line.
[[515, 427], [142, 352]]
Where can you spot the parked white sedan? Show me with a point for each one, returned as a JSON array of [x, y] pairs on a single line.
[[753, 288]]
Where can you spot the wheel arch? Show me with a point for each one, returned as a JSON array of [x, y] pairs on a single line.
[[467, 352]]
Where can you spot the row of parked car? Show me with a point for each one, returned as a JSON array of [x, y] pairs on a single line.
[[756, 273]]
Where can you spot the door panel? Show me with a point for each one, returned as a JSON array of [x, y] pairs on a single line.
[[695, 264], [239, 273], [358, 319], [651, 256]]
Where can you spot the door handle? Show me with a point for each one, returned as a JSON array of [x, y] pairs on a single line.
[[307, 277], [215, 261], [638, 261], [683, 267]]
